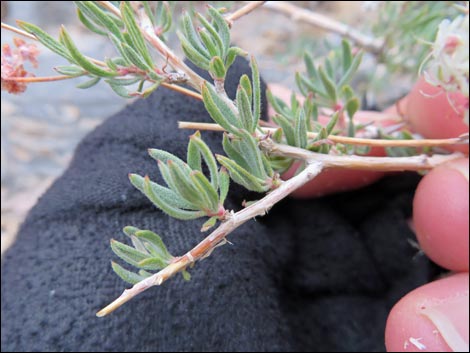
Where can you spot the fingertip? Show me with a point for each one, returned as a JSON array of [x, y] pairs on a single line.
[[440, 215], [432, 318]]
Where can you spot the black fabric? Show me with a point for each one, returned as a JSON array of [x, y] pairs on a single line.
[[316, 275]]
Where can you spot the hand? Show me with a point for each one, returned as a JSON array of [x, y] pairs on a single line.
[[433, 317]]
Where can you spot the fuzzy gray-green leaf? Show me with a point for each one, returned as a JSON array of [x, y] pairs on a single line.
[[232, 54], [134, 57], [232, 151], [152, 264], [184, 185], [329, 85], [70, 70], [224, 185], [246, 85], [94, 13], [135, 33], [158, 247], [217, 68], [194, 156], [167, 208], [244, 109], [192, 36], [209, 43], [126, 275], [120, 90], [256, 92], [130, 230], [90, 83], [300, 129], [88, 24], [219, 110], [222, 28], [45, 39], [208, 159], [347, 55], [286, 127], [351, 71], [80, 59], [127, 253], [192, 54], [164, 156], [206, 188], [242, 176], [213, 32]]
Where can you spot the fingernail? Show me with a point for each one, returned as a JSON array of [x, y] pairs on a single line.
[[451, 318]]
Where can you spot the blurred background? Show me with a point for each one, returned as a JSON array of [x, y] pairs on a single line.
[[41, 128]]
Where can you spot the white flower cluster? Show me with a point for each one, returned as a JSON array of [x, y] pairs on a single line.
[[448, 66]]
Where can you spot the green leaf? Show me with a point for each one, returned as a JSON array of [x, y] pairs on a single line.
[[88, 24], [328, 84], [232, 54], [300, 129], [192, 54], [70, 70], [157, 248], [185, 187], [252, 154], [192, 36], [152, 264], [168, 209], [80, 59], [277, 135], [347, 55], [118, 81], [186, 275], [246, 85], [224, 184], [351, 71], [168, 196], [206, 189], [209, 43], [208, 159], [286, 127], [244, 109], [209, 224], [130, 230], [352, 106], [193, 155], [256, 92], [311, 70], [164, 156], [332, 123], [120, 90], [242, 176], [217, 68], [232, 151], [219, 109], [45, 39], [213, 32], [222, 28], [89, 83], [97, 15], [125, 275], [128, 253], [148, 11], [135, 33], [135, 58]]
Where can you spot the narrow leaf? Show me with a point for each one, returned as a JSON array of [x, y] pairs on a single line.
[[208, 159], [224, 185], [152, 264], [221, 27], [127, 253], [185, 187], [286, 127], [158, 247], [192, 54], [332, 123], [205, 187], [351, 71], [244, 109], [135, 58], [126, 275], [70, 70], [45, 39], [120, 90], [88, 24], [218, 109], [242, 176], [209, 43], [97, 15], [246, 85], [217, 68], [80, 59], [168, 209], [256, 92], [164, 156], [89, 83], [209, 224], [347, 55], [232, 151], [192, 36], [194, 156], [300, 129], [213, 32], [328, 84], [232, 54]]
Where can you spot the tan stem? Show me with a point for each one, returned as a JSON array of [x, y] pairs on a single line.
[[205, 247], [110, 7], [299, 14], [252, 5], [18, 31], [384, 164], [182, 90], [344, 139], [39, 79]]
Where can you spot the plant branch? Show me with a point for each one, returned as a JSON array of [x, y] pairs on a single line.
[[110, 7], [205, 247], [384, 164], [344, 139], [39, 79], [182, 90], [18, 31], [249, 7], [148, 31], [296, 13]]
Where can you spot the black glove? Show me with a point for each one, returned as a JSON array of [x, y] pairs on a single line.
[[312, 275]]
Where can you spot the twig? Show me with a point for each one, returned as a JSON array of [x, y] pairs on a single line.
[[344, 139], [182, 90], [18, 31], [383, 164], [205, 247], [371, 44], [252, 5], [39, 79]]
